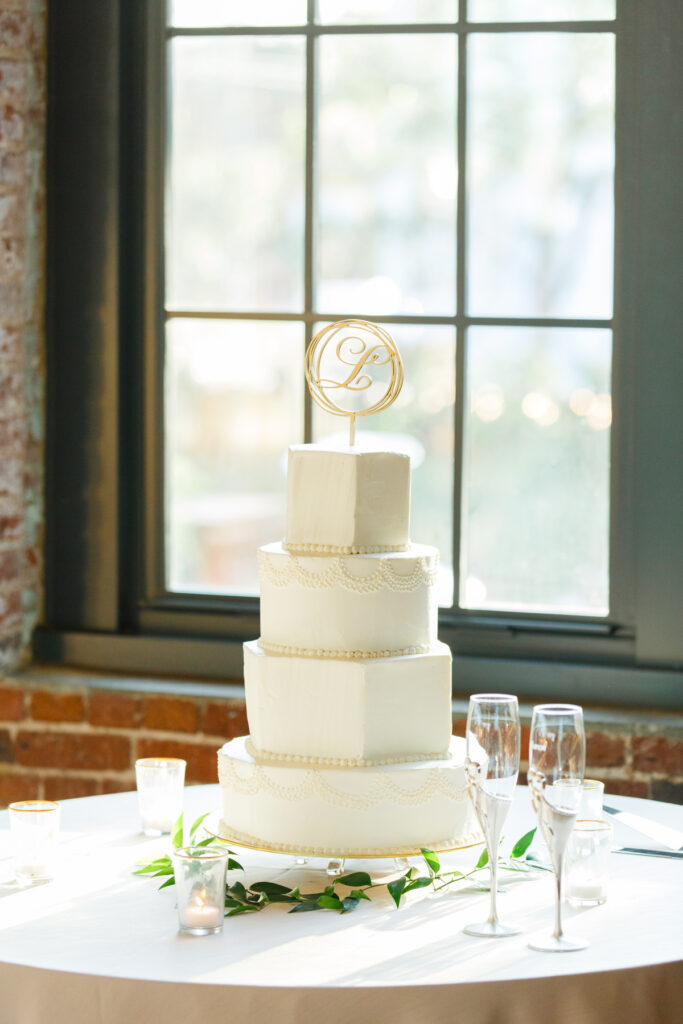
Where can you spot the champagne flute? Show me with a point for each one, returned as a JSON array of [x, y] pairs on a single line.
[[492, 765], [557, 755]]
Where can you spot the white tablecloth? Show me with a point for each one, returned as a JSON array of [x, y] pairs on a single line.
[[100, 945]]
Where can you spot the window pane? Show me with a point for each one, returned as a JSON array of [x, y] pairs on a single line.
[[540, 174], [235, 199], [540, 10], [387, 175], [209, 13], [420, 423], [536, 481], [234, 401], [388, 12]]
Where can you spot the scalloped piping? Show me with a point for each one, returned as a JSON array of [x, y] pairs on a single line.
[[337, 574], [309, 652], [258, 778], [305, 760], [343, 549]]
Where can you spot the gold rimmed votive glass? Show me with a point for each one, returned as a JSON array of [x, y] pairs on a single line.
[[160, 782], [34, 831], [200, 888]]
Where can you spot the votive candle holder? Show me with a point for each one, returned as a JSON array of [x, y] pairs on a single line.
[[587, 863], [160, 782], [34, 831], [200, 888]]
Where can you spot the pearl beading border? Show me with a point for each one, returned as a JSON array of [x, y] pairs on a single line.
[[267, 756], [343, 549], [324, 654]]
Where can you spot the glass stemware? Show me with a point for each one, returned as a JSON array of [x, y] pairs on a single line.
[[557, 755], [492, 765]]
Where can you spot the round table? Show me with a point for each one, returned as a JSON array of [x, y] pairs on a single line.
[[100, 945]]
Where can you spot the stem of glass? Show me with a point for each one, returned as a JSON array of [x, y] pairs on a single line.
[[558, 897], [493, 862]]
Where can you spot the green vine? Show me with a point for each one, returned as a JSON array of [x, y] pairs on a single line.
[[241, 899]]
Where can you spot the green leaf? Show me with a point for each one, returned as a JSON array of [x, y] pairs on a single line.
[[483, 860], [417, 883], [303, 907], [153, 866], [523, 844], [329, 902], [433, 862], [355, 878], [241, 909], [349, 903], [177, 834], [234, 865], [397, 888], [358, 894], [270, 888], [198, 822], [169, 881]]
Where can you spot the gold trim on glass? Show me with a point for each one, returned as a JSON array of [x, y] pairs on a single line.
[[158, 762], [28, 806]]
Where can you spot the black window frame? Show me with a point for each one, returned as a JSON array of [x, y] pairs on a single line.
[[104, 337]]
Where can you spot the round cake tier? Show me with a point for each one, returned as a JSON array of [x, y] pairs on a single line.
[[386, 810], [359, 606]]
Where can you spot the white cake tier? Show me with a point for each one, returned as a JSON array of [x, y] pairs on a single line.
[[341, 606], [345, 501], [387, 810], [377, 711]]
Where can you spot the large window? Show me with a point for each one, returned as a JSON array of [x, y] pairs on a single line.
[[494, 182], [451, 178]]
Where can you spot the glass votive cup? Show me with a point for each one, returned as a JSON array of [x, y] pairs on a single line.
[[200, 888], [587, 863], [34, 830], [160, 782], [591, 799]]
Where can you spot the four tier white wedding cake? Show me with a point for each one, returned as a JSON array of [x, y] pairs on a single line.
[[348, 690]]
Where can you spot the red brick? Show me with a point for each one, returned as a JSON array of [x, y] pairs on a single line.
[[658, 754], [524, 742], [6, 746], [18, 787], [224, 719], [14, 29], [170, 714], [604, 750], [115, 710], [64, 787], [11, 704], [626, 787], [9, 564], [459, 726], [11, 527], [118, 785], [52, 706], [73, 750], [202, 761]]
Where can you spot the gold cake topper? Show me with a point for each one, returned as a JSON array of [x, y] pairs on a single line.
[[340, 360]]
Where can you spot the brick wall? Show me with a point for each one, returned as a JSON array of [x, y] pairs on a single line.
[[22, 288], [61, 736]]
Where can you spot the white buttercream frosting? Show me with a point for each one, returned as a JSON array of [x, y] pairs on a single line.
[[389, 807], [382, 710], [347, 499], [355, 603]]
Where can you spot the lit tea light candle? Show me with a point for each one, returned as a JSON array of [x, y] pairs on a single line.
[[200, 914]]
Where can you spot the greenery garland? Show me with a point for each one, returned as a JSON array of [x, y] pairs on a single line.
[[241, 899]]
